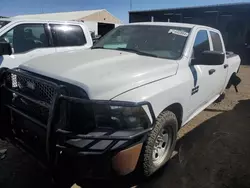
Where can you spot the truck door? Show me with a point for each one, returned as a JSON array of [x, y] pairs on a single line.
[[28, 40], [202, 87], [221, 71]]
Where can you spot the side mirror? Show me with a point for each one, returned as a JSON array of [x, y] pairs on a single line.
[[5, 48], [96, 38], [209, 58]]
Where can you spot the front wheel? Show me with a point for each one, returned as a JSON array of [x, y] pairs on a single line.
[[160, 143]]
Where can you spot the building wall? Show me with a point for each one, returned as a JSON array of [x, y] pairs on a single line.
[[102, 17], [92, 26], [116, 25]]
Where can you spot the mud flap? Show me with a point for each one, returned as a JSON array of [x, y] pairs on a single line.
[[234, 81]]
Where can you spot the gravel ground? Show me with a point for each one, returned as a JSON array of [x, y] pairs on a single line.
[[213, 150]]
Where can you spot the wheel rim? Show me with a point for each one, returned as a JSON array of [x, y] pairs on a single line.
[[162, 145]]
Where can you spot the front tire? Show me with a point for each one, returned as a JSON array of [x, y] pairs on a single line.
[[160, 143]]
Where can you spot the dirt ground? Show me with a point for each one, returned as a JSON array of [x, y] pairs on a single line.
[[213, 151]]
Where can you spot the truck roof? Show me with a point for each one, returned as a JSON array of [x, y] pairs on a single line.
[[37, 20], [173, 24]]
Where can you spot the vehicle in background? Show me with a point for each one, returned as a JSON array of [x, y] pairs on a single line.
[[33, 38], [115, 109]]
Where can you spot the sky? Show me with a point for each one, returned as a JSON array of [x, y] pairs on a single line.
[[118, 8]]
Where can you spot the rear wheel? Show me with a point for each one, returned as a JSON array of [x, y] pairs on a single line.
[[160, 143]]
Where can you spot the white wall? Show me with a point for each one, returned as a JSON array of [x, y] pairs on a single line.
[[92, 26], [116, 25]]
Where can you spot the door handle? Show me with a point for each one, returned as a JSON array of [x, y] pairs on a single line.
[[211, 71], [225, 66]]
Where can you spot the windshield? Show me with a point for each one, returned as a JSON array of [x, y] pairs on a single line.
[[158, 41], [3, 23]]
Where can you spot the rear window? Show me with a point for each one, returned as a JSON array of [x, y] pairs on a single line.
[[68, 35], [216, 40]]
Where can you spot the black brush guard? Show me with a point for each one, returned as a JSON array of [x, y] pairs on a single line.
[[55, 138]]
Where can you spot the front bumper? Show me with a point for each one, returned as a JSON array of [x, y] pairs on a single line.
[[99, 153]]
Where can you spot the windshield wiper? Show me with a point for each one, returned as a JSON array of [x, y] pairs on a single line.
[[137, 52]]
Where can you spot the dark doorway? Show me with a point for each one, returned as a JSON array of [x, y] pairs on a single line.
[[104, 28]]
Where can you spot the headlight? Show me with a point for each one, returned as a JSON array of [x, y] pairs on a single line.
[[121, 117]]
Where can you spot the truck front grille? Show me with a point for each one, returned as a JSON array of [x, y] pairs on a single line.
[[31, 87]]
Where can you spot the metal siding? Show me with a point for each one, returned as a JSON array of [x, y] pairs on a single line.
[[195, 7], [231, 19]]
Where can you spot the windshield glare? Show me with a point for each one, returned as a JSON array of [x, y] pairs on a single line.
[[161, 41], [3, 23]]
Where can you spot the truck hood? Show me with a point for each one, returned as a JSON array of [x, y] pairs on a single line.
[[102, 73]]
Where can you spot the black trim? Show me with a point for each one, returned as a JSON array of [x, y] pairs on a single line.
[[195, 90], [108, 137], [49, 35]]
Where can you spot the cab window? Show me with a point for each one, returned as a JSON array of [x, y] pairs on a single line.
[[67, 35], [216, 40], [26, 37]]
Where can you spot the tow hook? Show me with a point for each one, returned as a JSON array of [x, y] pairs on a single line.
[[235, 81]]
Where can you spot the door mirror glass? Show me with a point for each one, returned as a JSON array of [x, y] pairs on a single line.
[[5, 48], [209, 58]]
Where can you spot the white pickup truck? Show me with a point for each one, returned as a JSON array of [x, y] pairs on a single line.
[[116, 108], [29, 38]]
